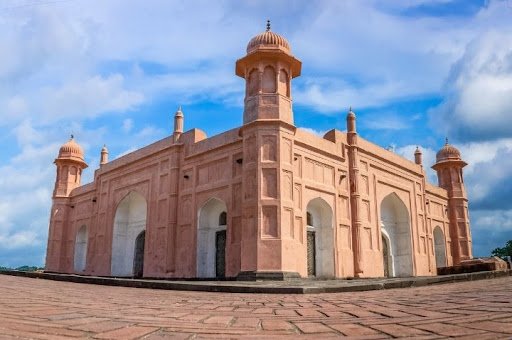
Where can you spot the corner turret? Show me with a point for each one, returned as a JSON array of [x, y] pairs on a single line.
[[70, 164], [449, 166]]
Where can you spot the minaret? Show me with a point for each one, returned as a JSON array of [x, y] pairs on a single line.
[[268, 133], [268, 69], [70, 163], [418, 159], [449, 173], [178, 124], [355, 195], [104, 155]]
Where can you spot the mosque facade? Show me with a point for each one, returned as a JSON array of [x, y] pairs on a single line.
[[265, 200]]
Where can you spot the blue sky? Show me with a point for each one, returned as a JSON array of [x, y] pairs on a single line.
[[115, 71]]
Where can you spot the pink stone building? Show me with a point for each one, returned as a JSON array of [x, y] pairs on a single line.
[[264, 200]]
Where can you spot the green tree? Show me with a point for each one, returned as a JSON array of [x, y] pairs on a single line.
[[505, 251]]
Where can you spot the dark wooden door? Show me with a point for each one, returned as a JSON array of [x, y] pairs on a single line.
[[138, 258], [220, 254], [311, 253], [385, 256]]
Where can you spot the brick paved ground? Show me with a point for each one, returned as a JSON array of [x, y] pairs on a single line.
[[44, 309]]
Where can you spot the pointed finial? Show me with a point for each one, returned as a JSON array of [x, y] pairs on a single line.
[[72, 136], [446, 141], [179, 112], [268, 25], [350, 108], [417, 149]]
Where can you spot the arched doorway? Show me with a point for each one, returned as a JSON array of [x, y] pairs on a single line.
[[138, 257], [211, 239], [80, 249], [320, 239], [439, 247], [129, 223], [387, 259], [397, 232]]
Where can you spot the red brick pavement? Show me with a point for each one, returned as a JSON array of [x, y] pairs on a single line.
[[44, 309]]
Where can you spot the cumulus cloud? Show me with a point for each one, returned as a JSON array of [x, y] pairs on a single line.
[[490, 229], [478, 102], [490, 182], [89, 98]]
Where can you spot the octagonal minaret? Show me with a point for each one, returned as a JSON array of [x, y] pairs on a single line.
[[268, 133], [449, 166], [268, 69], [70, 164]]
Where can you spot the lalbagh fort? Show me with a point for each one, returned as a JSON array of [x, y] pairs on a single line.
[[265, 200]]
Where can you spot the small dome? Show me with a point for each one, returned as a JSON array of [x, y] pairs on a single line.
[[268, 39], [71, 149], [448, 152]]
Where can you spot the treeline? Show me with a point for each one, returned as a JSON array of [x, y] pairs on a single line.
[[23, 268]]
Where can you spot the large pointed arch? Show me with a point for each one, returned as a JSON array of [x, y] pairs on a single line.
[[320, 238], [80, 257], [211, 239], [396, 228], [129, 222]]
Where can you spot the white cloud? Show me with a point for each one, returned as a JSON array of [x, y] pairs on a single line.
[[89, 98], [478, 100], [20, 240]]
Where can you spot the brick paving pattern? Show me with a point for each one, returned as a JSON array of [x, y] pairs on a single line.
[[44, 309]]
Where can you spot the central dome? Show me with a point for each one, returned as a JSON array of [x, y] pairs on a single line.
[[268, 39]]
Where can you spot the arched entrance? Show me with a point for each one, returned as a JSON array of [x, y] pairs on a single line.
[[211, 239], [80, 249], [387, 259], [138, 258], [396, 231], [129, 223], [320, 239], [439, 247]]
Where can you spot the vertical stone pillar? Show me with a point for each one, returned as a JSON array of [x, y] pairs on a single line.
[[355, 196]]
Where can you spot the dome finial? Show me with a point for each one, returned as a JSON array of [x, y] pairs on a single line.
[[446, 141], [72, 136], [268, 25]]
